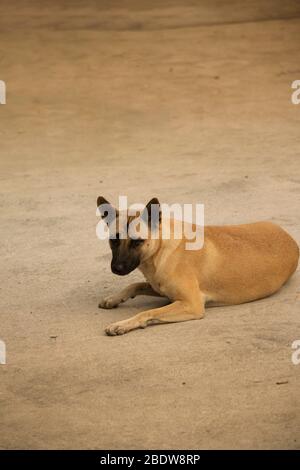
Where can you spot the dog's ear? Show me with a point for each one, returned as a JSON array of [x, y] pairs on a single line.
[[101, 200], [106, 210], [152, 212]]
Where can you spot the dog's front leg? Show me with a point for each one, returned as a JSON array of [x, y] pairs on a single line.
[[138, 288], [176, 312]]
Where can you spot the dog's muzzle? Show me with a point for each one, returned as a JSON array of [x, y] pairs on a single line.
[[122, 269]]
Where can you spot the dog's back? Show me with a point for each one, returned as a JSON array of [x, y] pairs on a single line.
[[246, 262]]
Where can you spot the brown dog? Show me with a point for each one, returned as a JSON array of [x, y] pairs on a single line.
[[237, 264]]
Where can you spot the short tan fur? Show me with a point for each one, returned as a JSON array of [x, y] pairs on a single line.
[[237, 264]]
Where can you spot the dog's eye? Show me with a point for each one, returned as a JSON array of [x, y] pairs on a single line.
[[136, 242]]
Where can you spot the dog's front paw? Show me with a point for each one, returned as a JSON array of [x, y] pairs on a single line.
[[109, 302], [119, 328]]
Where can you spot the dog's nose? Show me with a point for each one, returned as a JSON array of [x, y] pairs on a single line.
[[118, 268]]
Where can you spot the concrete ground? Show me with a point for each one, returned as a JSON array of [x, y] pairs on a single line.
[[188, 101]]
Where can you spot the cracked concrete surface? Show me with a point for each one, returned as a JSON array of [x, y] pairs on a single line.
[[190, 102]]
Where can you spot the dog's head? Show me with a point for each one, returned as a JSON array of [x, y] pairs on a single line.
[[131, 237]]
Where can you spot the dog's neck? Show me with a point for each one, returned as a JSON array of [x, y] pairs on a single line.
[[147, 268], [152, 266], [148, 265]]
